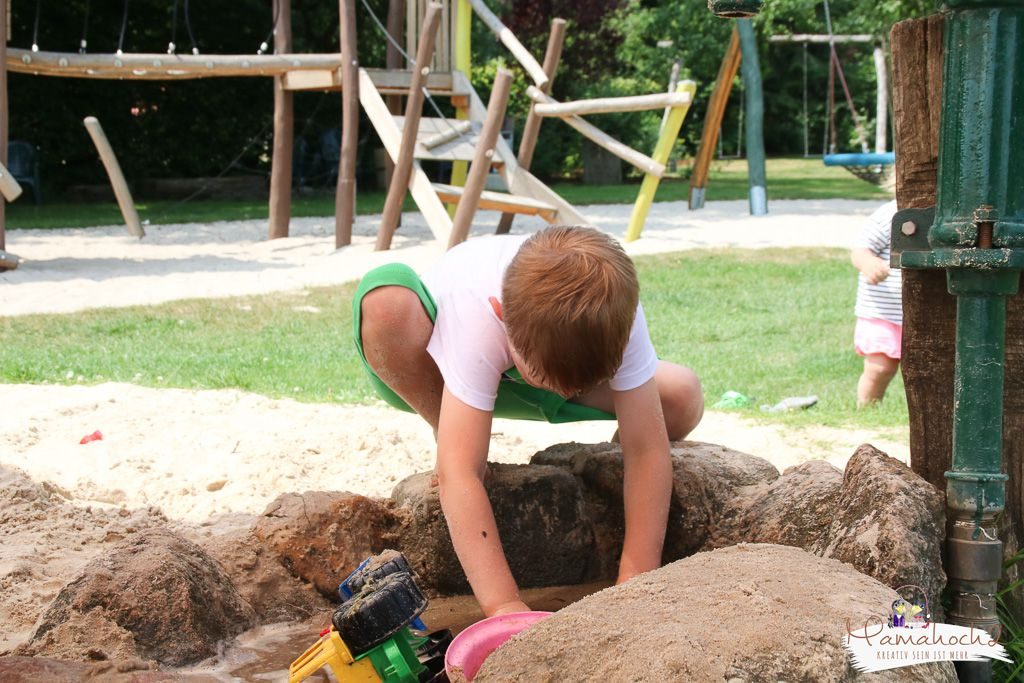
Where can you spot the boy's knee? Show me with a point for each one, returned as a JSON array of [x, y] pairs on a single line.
[[391, 310], [682, 399]]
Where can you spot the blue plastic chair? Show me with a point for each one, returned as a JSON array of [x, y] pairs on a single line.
[[23, 163]]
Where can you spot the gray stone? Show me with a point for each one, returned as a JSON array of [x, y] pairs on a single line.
[[541, 521], [155, 590]]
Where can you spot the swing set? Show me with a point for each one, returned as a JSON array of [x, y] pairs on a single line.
[[872, 166]]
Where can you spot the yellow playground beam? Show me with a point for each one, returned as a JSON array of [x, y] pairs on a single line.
[[661, 154], [463, 63]]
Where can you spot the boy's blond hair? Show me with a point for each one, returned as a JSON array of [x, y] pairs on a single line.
[[569, 298]]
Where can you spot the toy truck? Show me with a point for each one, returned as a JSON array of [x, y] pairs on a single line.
[[371, 638]]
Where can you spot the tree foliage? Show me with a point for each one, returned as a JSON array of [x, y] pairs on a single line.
[[613, 47]]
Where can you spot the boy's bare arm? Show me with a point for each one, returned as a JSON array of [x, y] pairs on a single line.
[[873, 268], [647, 478], [463, 438]]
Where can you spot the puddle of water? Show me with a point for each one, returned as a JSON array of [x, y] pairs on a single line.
[[265, 652]]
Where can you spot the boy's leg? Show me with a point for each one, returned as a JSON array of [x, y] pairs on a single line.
[[395, 330], [682, 400], [879, 370]]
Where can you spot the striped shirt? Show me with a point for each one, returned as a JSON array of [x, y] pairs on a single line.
[[884, 300]]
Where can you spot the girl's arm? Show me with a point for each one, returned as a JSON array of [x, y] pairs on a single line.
[[873, 269]]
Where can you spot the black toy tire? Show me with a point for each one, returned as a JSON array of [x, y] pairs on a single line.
[[371, 574], [371, 617]]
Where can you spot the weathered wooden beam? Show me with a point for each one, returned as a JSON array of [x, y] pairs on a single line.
[[4, 37], [607, 105], [394, 61], [509, 40], [823, 38], [456, 130], [413, 110], [602, 139], [159, 67], [345, 190], [531, 129], [280, 208], [387, 82], [117, 181], [9, 187], [481, 164]]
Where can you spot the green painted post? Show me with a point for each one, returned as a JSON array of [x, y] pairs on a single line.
[[751, 70]]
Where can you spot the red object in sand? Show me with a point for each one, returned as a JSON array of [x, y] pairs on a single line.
[[95, 436]]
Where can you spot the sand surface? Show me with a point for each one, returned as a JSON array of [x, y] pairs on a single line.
[[210, 460]]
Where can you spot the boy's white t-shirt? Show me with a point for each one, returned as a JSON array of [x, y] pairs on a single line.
[[469, 342]]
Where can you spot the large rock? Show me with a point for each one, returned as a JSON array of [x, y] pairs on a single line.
[[705, 478], [796, 509], [322, 536], [262, 580], [172, 599], [889, 523], [879, 516], [541, 521], [744, 613]]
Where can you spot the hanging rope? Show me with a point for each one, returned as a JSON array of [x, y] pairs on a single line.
[[35, 27], [265, 45], [836, 67], [83, 43], [171, 46], [188, 27], [124, 27]]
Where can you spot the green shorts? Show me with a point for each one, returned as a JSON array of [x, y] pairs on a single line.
[[516, 399]]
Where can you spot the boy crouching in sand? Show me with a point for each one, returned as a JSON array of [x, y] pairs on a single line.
[[541, 327]]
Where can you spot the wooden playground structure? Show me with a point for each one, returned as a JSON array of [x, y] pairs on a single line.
[[438, 34]]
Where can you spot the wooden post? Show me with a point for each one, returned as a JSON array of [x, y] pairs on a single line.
[[396, 27], [481, 165], [531, 129], [881, 101], [345, 196], [284, 131], [121, 191], [413, 111], [713, 121], [4, 29]]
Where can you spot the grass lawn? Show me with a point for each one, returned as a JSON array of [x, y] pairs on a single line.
[[769, 324], [787, 179]]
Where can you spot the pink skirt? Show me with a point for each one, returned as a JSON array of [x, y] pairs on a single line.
[[872, 335]]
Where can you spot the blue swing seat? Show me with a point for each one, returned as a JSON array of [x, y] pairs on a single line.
[[873, 167]]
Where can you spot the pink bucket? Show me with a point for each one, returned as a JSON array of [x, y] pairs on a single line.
[[470, 648]]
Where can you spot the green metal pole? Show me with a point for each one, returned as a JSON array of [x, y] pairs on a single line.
[[751, 70], [978, 231]]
